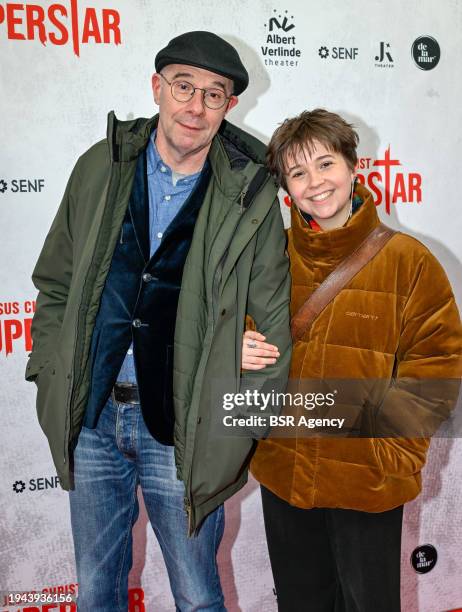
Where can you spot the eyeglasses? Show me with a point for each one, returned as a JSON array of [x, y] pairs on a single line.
[[183, 91]]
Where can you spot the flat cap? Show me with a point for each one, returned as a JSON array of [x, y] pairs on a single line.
[[205, 50]]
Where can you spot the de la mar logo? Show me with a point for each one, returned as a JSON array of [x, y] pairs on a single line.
[[280, 47], [388, 181], [61, 24]]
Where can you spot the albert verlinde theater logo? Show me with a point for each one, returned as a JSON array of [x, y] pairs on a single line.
[[61, 24], [280, 46]]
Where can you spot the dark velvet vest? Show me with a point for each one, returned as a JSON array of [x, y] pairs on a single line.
[[139, 304]]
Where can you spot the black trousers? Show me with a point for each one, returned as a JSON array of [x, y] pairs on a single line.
[[333, 560]]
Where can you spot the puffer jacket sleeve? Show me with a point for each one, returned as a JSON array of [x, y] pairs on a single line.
[[268, 301], [428, 371], [52, 277]]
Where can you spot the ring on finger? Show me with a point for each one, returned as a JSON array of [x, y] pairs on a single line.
[[252, 344]]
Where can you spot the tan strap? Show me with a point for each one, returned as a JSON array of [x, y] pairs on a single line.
[[337, 279]]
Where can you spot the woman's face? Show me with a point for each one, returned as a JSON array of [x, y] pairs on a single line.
[[321, 185]]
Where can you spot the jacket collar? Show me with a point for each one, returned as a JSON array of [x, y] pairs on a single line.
[[234, 154], [333, 246]]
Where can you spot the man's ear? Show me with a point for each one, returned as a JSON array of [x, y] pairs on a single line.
[[155, 81], [233, 100]]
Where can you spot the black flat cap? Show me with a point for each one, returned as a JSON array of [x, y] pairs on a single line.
[[208, 51]]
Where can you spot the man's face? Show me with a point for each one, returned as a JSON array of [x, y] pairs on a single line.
[[188, 127]]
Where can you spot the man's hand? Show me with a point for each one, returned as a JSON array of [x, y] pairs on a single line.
[[256, 353]]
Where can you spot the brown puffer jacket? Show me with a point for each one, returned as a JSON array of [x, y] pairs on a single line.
[[397, 318]]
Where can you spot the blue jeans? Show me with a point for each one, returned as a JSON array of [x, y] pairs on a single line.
[[109, 463]]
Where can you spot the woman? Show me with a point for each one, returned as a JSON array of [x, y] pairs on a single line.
[[333, 505]]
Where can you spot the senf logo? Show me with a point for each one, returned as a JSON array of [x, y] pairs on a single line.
[[23, 185], [36, 484], [342, 53], [59, 24]]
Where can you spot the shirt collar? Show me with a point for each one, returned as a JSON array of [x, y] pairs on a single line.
[[155, 164]]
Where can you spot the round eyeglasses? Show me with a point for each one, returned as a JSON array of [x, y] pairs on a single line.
[[183, 91]]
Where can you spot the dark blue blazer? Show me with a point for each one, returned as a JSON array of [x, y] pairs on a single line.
[[139, 303]]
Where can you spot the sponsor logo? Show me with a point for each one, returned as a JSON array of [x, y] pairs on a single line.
[[16, 331], [424, 558], [389, 183], [19, 486], [279, 48], [22, 185], [61, 24], [426, 52], [338, 53], [384, 58], [36, 484]]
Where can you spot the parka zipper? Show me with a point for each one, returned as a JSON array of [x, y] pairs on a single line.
[[188, 501]]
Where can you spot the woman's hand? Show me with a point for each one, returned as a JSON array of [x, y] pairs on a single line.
[[256, 353]]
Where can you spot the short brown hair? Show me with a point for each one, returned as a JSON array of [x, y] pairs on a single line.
[[299, 133]]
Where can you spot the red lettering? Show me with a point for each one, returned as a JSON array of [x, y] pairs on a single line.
[[75, 27], [35, 16], [399, 191], [11, 334], [415, 187], [29, 306], [48, 607], [364, 162], [8, 308], [68, 607], [12, 21], [31, 609], [373, 176], [27, 334], [2, 14], [136, 600], [111, 22], [53, 10], [90, 26]]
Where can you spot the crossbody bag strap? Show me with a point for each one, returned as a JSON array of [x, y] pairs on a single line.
[[337, 279]]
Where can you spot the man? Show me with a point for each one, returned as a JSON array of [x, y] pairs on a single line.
[[169, 232]]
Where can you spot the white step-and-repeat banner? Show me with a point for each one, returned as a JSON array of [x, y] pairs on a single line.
[[392, 68]]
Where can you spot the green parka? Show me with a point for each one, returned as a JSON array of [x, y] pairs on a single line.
[[236, 265]]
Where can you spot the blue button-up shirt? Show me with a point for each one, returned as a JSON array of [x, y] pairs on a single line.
[[168, 190]]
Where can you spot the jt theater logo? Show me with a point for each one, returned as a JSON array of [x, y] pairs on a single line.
[[279, 48], [384, 58], [61, 24], [398, 186]]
